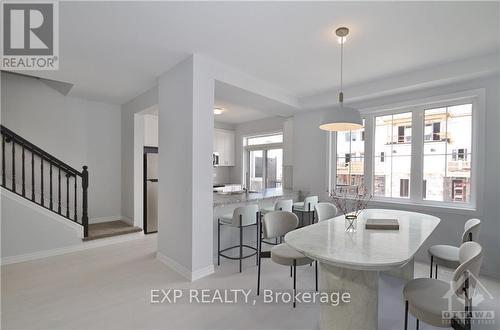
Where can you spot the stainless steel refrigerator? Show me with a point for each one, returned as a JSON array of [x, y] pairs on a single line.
[[150, 190]]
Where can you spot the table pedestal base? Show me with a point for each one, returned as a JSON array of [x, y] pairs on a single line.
[[361, 313]]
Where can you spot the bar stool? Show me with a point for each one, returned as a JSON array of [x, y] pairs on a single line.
[[428, 298], [277, 224], [447, 255], [325, 211], [307, 206], [242, 217]]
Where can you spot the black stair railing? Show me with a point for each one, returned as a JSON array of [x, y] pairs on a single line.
[[38, 176]]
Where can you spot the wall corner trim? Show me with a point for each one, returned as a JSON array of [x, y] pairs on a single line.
[[183, 271]]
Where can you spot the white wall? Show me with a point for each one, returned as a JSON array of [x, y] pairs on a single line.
[[77, 131], [310, 167], [140, 103], [151, 130], [28, 229]]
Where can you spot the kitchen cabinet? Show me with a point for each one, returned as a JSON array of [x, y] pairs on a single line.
[[224, 144]]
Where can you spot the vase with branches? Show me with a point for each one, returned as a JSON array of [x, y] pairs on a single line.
[[350, 201]]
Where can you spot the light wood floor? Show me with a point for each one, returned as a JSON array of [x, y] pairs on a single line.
[[109, 288]]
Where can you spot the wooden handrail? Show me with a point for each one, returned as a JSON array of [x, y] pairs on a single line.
[[37, 150]]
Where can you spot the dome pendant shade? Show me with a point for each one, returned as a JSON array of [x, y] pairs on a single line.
[[341, 119]]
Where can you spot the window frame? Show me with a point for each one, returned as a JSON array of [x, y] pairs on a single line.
[[265, 147], [417, 107]]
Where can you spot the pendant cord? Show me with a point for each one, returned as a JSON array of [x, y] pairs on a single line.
[[341, 61]]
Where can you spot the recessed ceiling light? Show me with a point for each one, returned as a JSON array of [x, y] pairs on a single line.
[[218, 111]]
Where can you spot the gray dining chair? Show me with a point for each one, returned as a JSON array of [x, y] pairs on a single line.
[[428, 298], [447, 255], [277, 224], [242, 217], [325, 211]]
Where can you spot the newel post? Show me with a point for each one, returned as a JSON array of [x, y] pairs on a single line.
[[85, 216]]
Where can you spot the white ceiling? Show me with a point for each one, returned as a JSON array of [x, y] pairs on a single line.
[[114, 51]]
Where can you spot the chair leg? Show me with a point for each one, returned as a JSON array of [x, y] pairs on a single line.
[[316, 270], [218, 242], [257, 242], [294, 280], [436, 272], [291, 271], [258, 274], [417, 324], [406, 315], [241, 245], [432, 261], [259, 248]]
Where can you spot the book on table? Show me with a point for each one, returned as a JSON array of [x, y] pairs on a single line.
[[387, 224]]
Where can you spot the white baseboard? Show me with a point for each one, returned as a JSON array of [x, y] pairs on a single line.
[[183, 271], [69, 249]]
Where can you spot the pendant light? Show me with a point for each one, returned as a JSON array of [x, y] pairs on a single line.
[[341, 118]]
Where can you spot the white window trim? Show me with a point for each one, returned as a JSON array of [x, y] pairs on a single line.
[[264, 146], [415, 202]]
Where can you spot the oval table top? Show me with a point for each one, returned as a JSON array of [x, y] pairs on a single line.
[[365, 249]]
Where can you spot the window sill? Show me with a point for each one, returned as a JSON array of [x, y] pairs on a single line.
[[468, 210]]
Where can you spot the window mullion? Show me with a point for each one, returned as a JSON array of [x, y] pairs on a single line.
[[417, 151], [369, 153]]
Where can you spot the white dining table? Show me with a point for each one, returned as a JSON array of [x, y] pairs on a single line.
[[351, 261]]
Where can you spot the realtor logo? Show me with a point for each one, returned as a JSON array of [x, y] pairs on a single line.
[[30, 35]]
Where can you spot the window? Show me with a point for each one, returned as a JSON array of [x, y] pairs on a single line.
[[392, 161], [447, 169], [264, 139], [350, 158], [264, 161], [420, 154]]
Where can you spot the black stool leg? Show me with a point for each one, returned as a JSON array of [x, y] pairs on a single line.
[[218, 242], [294, 280], [291, 270], [417, 324], [241, 243], [258, 237], [406, 315], [436, 272], [432, 261], [316, 266]]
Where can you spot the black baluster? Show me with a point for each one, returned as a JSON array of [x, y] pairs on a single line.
[[32, 176], [41, 179], [76, 218], [13, 165], [59, 190], [85, 185], [3, 160], [67, 195], [23, 173], [50, 185]]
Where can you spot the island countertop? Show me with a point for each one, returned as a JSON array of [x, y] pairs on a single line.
[[270, 193]]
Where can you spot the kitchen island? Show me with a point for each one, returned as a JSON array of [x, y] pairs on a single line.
[[225, 203], [266, 196]]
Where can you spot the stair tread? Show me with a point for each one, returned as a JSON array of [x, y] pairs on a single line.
[[109, 229]]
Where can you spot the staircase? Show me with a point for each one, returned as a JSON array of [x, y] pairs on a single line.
[[41, 178]]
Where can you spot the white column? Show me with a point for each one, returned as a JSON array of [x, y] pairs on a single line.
[[185, 200]]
